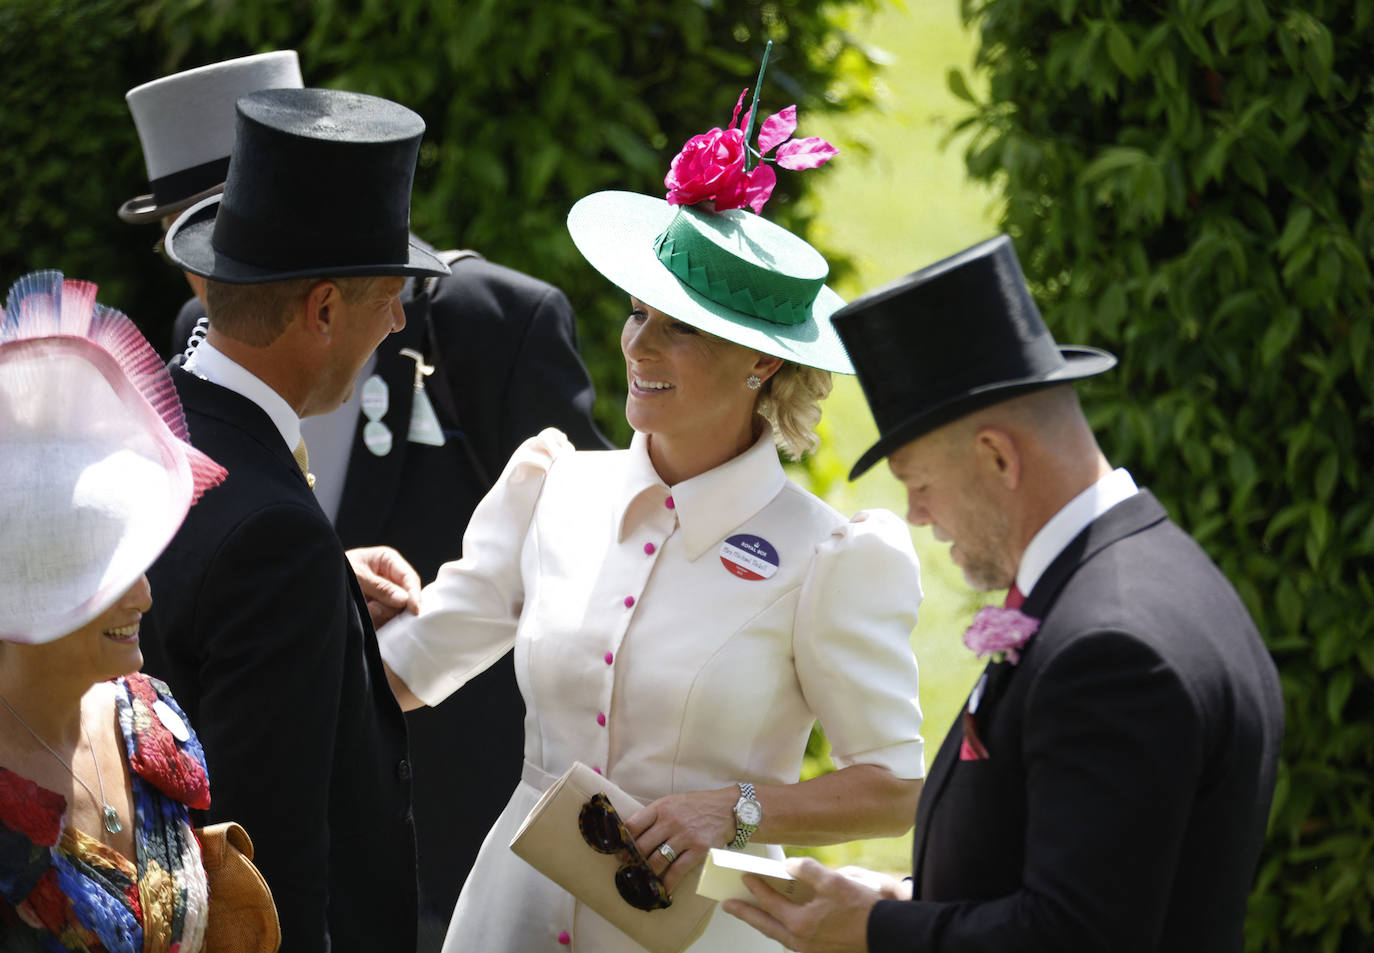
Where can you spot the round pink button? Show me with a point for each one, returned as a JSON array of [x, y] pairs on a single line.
[[669, 503], [610, 657], [601, 718], [629, 601], [648, 549], [564, 938]]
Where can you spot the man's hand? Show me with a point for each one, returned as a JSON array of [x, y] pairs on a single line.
[[388, 582], [835, 920], [884, 885]]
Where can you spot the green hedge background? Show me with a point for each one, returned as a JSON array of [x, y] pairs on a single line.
[[529, 105], [1191, 186]]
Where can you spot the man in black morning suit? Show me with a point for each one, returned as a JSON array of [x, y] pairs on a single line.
[[503, 351], [260, 623], [1107, 787], [503, 348]]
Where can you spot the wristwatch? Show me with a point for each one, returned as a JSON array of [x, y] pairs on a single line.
[[748, 813]]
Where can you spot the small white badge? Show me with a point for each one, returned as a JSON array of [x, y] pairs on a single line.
[[376, 398], [424, 423], [171, 720], [377, 437]]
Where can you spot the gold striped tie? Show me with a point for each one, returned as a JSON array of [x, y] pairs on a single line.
[[302, 458]]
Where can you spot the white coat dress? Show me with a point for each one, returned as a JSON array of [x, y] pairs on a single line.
[[675, 639]]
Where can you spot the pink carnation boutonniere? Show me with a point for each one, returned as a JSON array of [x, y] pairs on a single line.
[[718, 166], [1000, 633]]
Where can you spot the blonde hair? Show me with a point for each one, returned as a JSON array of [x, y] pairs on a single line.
[[257, 314], [790, 402]]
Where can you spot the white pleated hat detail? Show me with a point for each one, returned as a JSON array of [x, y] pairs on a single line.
[[96, 474]]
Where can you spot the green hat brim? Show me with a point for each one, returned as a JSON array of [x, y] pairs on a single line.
[[615, 231]]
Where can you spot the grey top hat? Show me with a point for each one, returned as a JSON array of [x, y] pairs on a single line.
[[952, 338], [319, 186], [185, 123]]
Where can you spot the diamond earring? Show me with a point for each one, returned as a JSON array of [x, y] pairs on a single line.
[[753, 382]]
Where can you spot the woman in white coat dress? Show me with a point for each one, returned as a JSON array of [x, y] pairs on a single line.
[[681, 613]]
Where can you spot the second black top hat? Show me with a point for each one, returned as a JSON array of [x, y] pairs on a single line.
[[318, 186], [959, 335]]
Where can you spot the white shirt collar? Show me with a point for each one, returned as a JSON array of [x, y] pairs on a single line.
[[1064, 526], [708, 505], [210, 364]]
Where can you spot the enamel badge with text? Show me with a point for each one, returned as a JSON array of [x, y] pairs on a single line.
[[749, 557], [376, 401]]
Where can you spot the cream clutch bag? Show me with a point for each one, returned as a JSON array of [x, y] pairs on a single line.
[[551, 841]]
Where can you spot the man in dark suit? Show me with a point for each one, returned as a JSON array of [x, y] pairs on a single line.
[[259, 621], [502, 347], [1108, 784], [501, 351]]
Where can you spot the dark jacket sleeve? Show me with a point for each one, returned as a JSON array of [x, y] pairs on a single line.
[[1112, 752], [507, 344], [271, 690], [550, 387]]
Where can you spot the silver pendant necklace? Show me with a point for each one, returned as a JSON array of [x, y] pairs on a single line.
[[111, 817]]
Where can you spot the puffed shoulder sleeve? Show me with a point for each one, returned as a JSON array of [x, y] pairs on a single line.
[[468, 614], [852, 644]]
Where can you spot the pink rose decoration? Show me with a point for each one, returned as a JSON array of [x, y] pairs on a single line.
[[712, 166], [997, 631]]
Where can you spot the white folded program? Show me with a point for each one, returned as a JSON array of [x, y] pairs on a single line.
[[722, 876]]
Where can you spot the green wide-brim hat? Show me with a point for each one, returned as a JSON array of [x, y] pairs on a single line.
[[731, 274]]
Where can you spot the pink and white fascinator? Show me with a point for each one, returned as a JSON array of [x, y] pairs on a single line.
[[96, 471]]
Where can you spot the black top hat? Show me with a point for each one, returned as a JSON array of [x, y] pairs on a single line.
[[950, 339], [318, 186]]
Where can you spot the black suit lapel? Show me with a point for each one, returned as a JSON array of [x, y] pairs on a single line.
[[940, 770], [199, 396], [1130, 516], [371, 483]]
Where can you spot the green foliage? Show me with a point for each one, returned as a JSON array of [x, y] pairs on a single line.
[[1191, 185], [529, 105], [69, 144]]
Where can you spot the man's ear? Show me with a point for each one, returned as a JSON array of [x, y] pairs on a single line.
[[321, 302], [996, 455]]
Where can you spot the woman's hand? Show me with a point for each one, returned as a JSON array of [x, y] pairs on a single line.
[[388, 582], [690, 824], [855, 802]]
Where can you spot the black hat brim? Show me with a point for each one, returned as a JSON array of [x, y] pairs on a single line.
[[1079, 362], [189, 246]]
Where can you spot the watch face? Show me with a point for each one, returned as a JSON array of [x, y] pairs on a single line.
[[749, 812]]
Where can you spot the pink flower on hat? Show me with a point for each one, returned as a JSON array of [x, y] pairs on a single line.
[[1000, 632], [714, 166]]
